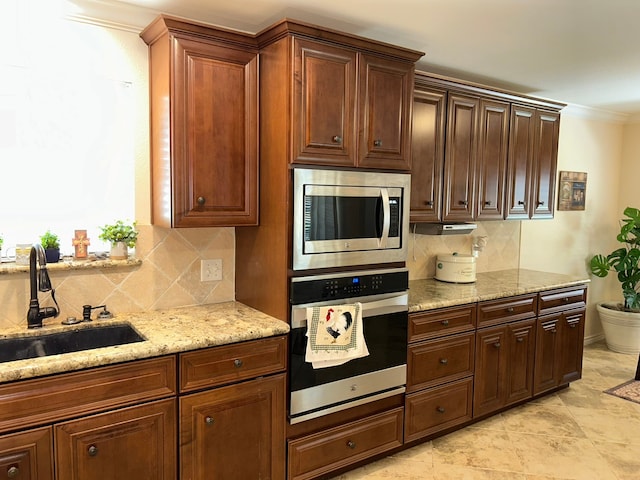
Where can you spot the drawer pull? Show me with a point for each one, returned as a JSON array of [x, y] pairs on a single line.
[[566, 299], [336, 139], [377, 143], [92, 450], [209, 420], [520, 340], [510, 309], [497, 344], [573, 325], [237, 363], [13, 472], [444, 361], [445, 323], [351, 444], [440, 409]]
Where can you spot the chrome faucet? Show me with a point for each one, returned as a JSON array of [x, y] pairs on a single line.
[[40, 281]]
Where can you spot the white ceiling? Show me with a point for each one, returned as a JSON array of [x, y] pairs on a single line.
[[581, 52]]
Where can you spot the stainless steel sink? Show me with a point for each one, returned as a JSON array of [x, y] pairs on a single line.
[[75, 340]]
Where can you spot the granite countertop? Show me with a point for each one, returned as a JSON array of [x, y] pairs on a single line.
[[167, 332], [430, 293]]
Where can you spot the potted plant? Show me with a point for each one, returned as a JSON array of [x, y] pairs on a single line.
[[51, 244], [122, 236], [621, 321]]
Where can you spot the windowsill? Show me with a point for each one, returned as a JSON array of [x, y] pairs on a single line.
[[71, 264]]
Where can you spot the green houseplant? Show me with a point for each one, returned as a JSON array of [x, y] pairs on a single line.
[[51, 244], [121, 236], [621, 321]]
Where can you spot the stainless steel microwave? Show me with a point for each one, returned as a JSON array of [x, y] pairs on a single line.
[[343, 218]]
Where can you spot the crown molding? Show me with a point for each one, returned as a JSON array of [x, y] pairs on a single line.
[[590, 113]]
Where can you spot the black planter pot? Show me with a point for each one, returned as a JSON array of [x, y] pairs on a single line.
[[52, 255]]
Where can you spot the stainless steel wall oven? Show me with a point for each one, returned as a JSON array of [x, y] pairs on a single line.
[[384, 299]]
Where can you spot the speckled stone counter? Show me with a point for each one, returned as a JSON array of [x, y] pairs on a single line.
[[166, 332], [430, 293]]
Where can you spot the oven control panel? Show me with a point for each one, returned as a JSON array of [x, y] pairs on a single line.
[[340, 286]]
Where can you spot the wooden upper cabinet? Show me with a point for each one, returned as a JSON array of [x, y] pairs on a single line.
[[204, 125], [427, 153], [533, 153], [386, 91], [492, 159], [460, 158], [544, 167], [324, 104]]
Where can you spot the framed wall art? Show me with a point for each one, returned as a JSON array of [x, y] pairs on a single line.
[[572, 190]]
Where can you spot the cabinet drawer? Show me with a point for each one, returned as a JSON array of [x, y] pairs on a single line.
[[562, 298], [232, 363], [494, 312], [437, 361], [323, 452], [437, 409], [431, 324], [46, 400]]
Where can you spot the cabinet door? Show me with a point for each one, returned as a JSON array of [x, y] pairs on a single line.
[[234, 432], [135, 442], [385, 92], [519, 163], [215, 136], [547, 345], [491, 370], [460, 158], [544, 167], [492, 159], [521, 345], [27, 455], [427, 154], [572, 346], [324, 104]]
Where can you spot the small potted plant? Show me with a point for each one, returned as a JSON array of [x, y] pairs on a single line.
[[121, 236], [621, 321], [51, 244]]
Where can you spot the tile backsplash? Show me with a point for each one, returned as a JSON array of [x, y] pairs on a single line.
[[502, 250], [168, 277]]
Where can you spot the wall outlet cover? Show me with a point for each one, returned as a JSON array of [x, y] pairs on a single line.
[[211, 270]]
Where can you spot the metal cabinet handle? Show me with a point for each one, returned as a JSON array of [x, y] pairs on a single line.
[[209, 420], [464, 202], [510, 309], [377, 143], [200, 200], [237, 363], [336, 139], [520, 340], [429, 203], [440, 409], [487, 202], [444, 361], [497, 344], [13, 471], [573, 325], [566, 299], [520, 202], [351, 444], [540, 204], [92, 450], [445, 323]]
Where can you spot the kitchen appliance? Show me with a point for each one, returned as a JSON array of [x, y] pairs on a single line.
[[343, 218], [384, 299], [456, 268]]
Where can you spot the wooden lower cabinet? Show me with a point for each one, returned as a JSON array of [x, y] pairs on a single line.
[[235, 431], [433, 410], [134, 442], [314, 455], [504, 366], [559, 349], [27, 455]]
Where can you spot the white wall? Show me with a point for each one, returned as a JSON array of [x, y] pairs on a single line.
[[566, 243]]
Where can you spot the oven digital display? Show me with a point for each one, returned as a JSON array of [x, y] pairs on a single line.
[[355, 281]]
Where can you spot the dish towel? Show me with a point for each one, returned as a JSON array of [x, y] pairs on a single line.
[[334, 335]]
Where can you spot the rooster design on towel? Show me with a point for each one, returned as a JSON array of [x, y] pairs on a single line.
[[339, 325]]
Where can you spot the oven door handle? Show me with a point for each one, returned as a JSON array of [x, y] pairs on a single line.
[[386, 217], [395, 304]]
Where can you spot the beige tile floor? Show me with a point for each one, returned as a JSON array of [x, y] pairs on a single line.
[[578, 433]]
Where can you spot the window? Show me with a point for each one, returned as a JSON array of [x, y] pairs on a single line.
[[67, 127]]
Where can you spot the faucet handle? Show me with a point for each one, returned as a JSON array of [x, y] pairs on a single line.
[[86, 313]]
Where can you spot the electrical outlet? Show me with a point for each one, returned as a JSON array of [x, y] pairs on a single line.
[[211, 270]]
